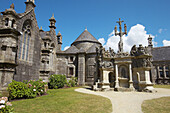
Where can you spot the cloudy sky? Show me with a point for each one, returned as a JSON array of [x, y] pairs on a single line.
[[143, 18]]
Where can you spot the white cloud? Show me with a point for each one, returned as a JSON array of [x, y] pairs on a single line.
[[166, 43], [161, 30], [137, 35], [66, 48], [101, 40]]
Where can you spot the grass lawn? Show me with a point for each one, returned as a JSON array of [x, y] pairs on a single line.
[[161, 105], [64, 101], [162, 86]]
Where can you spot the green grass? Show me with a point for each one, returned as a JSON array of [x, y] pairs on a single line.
[[64, 101], [162, 86], [161, 105]]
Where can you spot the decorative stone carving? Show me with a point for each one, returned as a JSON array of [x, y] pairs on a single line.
[[137, 51], [102, 53]]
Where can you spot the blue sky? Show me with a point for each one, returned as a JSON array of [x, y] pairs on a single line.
[[100, 17]]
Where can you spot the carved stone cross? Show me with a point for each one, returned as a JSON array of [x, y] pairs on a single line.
[[120, 45]]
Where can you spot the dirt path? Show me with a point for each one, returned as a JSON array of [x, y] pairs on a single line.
[[127, 102]]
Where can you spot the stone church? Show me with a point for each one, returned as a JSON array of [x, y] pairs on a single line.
[[27, 52]]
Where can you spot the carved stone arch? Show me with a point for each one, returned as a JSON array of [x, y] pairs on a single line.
[[52, 45], [27, 25]]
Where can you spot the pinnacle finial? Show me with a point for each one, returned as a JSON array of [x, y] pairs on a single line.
[[12, 6], [86, 28], [41, 29], [59, 34], [31, 1], [52, 16]]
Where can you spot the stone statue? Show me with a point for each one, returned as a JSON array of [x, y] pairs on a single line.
[[112, 53], [133, 50], [12, 6]]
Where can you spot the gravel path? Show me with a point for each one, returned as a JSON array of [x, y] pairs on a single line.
[[127, 102]]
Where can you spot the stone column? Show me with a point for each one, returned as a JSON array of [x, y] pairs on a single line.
[[158, 72], [117, 81], [130, 77], [164, 71], [10, 23], [81, 69]]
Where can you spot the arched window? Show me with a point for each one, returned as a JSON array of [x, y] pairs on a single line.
[[25, 41], [6, 21], [13, 22]]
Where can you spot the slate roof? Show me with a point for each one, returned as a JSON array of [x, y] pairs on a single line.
[[86, 36], [71, 49], [92, 49], [161, 53]]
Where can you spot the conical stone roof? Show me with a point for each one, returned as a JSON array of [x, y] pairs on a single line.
[[86, 37]]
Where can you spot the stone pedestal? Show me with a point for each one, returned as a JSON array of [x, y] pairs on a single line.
[[144, 83], [104, 78], [4, 92]]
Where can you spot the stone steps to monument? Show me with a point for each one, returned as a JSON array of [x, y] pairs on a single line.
[[123, 89]]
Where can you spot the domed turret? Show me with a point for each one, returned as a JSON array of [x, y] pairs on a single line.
[[85, 41]]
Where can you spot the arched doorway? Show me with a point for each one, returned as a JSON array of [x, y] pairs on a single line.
[[112, 79]]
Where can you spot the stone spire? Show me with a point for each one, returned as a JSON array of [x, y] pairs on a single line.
[[86, 28], [30, 4], [150, 41], [41, 29], [52, 22], [59, 39], [9, 17]]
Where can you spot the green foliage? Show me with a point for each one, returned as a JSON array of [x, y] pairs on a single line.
[[72, 82], [6, 108], [64, 101], [30, 89], [37, 87], [57, 81], [18, 90]]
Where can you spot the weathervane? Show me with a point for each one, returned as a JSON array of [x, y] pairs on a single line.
[[120, 34]]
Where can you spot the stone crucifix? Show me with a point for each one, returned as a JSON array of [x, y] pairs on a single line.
[[120, 46]]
